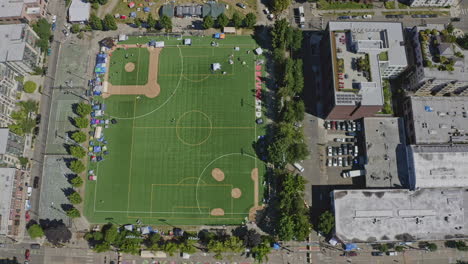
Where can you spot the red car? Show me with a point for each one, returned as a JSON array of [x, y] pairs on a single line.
[[27, 254]]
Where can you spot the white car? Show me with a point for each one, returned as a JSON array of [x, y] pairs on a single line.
[[266, 11], [339, 140], [329, 162], [329, 151], [29, 190], [367, 16], [340, 161], [54, 18], [334, 162]]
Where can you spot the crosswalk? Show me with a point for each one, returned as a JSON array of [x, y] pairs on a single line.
[[464, 11]]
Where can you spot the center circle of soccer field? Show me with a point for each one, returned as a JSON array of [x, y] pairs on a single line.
[[193, 128]]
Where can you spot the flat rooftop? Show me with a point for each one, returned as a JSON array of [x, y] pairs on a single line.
[[386, 152], [12, 8], [440, 119], [400, 215], [7, 177], [12, 43], [354, 41], [448, 49], [435, 166]]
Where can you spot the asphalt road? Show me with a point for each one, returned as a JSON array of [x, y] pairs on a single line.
[[58, 8]]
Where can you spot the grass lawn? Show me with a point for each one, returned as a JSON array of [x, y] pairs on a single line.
[[163, 150], [390, 4], [120, 57], [325, 5]]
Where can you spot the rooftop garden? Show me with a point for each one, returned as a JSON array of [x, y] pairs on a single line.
[[383, 56], [430, 41], [330, 5], [363, 66], [387, 107]]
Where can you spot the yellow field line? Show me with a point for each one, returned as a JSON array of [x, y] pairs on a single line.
[[131, 158], [190, 218], [200, 127], [189, 184], [196, 74], [190, 207]]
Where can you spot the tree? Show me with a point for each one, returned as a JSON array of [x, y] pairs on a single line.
[[83, 109], [102, 247], [326, 222], [170, 247], [109, 23], [77, 151], [76, 181], [29, 106], [42, 28], [95, 6], [383, 247], [35, 231], [95, 22], [208, 22], [399, 248], [81, 122], [281, 34], [222, 21], [110, 233], [79, 136], [432, 247], [261, 252], [296, 40], [285, 227], [75, 28], [216, 247], [58, 234], [280, 5], [153, 241], [75, 198], [296, 152], [137, 22], [73, 213], [150, 21], [77, 166], [166, 23], [29, 87], [102, 2], [250, 20], [450, 28], [188, 247], [237, 20], [252, 238], [23, 161]]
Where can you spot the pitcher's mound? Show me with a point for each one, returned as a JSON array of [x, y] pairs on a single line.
[[217, 212], [236, 193], [217, 174], [129, 67]]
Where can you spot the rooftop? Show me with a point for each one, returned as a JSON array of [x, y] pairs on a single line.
[[79, 11], [11, 8], [445, 49], [393, 215], [3, 140], [12, 42], [434, 166], [386, 152], [7, 176], [356, 47], [440, 119]]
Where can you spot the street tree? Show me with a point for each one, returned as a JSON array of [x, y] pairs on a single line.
[[75, 28], [77, 166], [58, 234], [110, 233], [222, 21], [75, 198], [35, 231], [170, 247], [208, 22], [76, 181], [137, 22], [261, 251], [81, 122], [150, 21], [326, 222], [280, 5], [102, 247], [79, 137], [95, 22], [29, 87], [237, 20], [73, 213], [77, 151], [250, 20], [109, 23], [166, 23], [252, 238], [83, 109]]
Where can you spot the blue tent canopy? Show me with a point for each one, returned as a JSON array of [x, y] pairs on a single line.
[[97, 149], [276, 246], [147, 9], [350, 246]]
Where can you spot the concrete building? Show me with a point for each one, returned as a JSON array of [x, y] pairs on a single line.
[[400, 215], [8, 92], [79, 11], [358, 55], [18, 49], [21, 11], [12, 202], [385, 151], [436, 120], [429, 74], [438, 166], [430, 3], [11, 148]]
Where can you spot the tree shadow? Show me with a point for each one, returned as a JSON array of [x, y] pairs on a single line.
[[66, 207], [68, 191], [70, 176]]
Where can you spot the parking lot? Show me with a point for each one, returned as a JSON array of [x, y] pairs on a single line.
[[342, 151]]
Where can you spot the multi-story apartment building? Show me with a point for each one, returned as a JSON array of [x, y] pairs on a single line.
[[12, 202], [18, 49], [8, 92], [432, 3], [21, 11], [11, 148], [438, 64], [355, 57]]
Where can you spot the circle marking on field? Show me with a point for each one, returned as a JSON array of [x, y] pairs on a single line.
[[179, 127]]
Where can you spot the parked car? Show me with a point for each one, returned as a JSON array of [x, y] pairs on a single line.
[[49, 51], [367, 16], [334, 162], [455, 19], [344, 17], [334, 152], [358, 126], [345, 162], [340, 161], [54, 18], [333, 125], [329, 151], [351, 134], [356, 151], [29, 190], [329, 162], [241, 5], [351, 254], [377, 253], [391, 16], [36, 182], [392, 253], [327, 125], [54, 26], [339, 140], [27, 254], [340, 151], [350, 140], [65, 32], [35, 246], [266, 11]]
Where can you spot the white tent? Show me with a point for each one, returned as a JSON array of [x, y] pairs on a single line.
[[216, 66], [259, 51], [187, 41], [159, 44], [123, 37], [98, 132]]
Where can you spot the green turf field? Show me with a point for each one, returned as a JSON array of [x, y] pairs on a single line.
[[162, 150], [120, 57]]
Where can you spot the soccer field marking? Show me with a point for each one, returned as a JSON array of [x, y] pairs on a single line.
[[155, 127], [200, 80], [167, 100], [202, 141], [187, 178], [131, 158]]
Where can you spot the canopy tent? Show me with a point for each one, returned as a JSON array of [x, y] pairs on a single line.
[[98, 132], [128, 227], [146, 9], [187, 41], [131, 4], [229, 30], [219, 36], [350, 246], [133, 14], [258, 51], [146, 230], [92, 177], [216, 66], [123, 37], [97, 149]]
